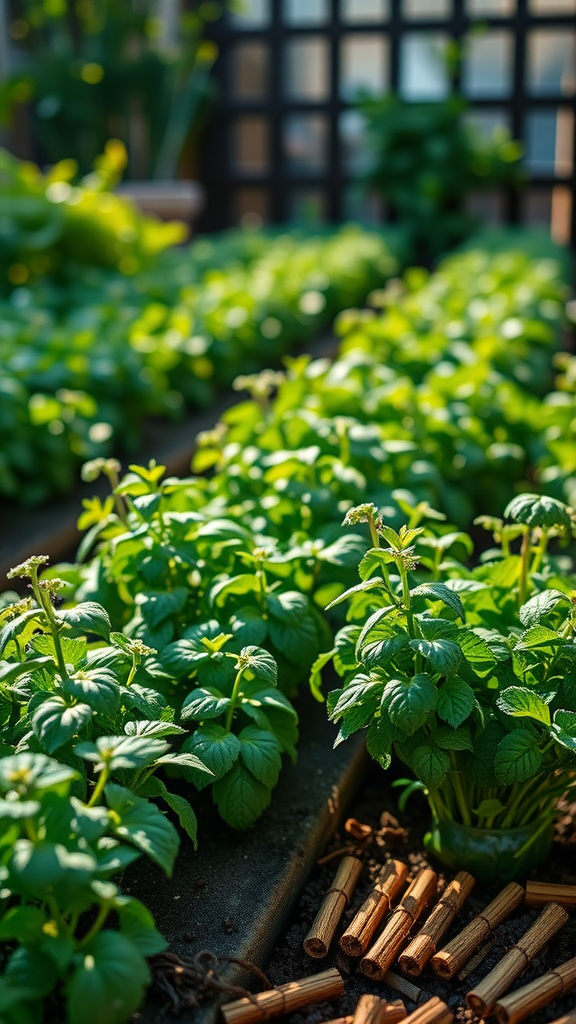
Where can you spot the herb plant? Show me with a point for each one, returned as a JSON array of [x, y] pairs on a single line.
[[466, 676]]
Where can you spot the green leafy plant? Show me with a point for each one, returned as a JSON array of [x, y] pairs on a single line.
[[93, 72], [426, 161], [466, 676]]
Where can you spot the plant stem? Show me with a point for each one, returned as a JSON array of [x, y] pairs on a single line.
[[540, 551], [406, 597], [524, 566], [459, 792], [233, 700], [100, 919], [104, 776]]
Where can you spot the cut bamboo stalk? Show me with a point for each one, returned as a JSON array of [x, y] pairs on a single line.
[[341, 1020], [383, 953], [402, 985], [539, 893], [390, 881], [435, 1011], [568, 1018], [532, 997], [317, 942], [482, 998], [423, 946], [284, 999], [373, 1010], [449, 960]]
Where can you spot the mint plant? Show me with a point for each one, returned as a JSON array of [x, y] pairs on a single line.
[[466, 675]]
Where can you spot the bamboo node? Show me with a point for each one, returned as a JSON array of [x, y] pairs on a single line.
[[341, 892]]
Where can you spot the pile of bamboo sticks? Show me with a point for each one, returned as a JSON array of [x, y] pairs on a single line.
[[380, 934]]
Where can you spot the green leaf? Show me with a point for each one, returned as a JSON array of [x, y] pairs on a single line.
[[24, 923], [488, 808], [30, 969], [96, 687], [452, 739], [455, 701], [360, 691], [564, 729], [147, 728], [260, 753], [158, 605], [537, 636], [345, 658], [54, 722], [215, 747], [146, 700], [540, 605], [10, 671], [259, 663], [409, 702], [181, 807], [246, 583], [440, 592], [430, 765], [143, 825], [109, 983], [240, 798], [292, 627], [444, 655], [205, 702], [539, 510], [476, 650], [517, 758], [88, 617], [28, 772], [360, 588], [520, 702], [183, 657], [122, 751], [137, 924], [315, 680], [379, 740]]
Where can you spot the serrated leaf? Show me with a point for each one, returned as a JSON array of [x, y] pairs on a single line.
[[444, 655], [359, 692], [488, 808], [517, 758], [359, 588], [537, 636], [315, 680], [240, 798], [440, 592], [158, 605], [31, 970], [96, 687], [540, 605], [10, 670], [430, 764], [217, 748], [109, 983], [345, 657], [87, 617], [260, 663], [181, 807], [122, 751], [409, 702], [183, 657], [453, 739], [476, 650], [143, 825], [455, 702], [147, 728], [260, 753], [204, 703], [31, 772], [520, 702]]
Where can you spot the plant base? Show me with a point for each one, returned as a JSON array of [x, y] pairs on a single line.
[[490, 854]]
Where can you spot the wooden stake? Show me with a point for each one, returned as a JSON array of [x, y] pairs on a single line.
[[482, 998], [568, 1018], [317, 942], [432, 1012], [340, 1020], [450, 959], [284, 999], [373, 1010], [425, 943], [383, 953], [539, 893], [475, 960], [390, 881], [532, 997]]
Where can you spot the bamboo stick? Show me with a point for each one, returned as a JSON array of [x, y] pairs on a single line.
[[341, 1020], [433, 1012], [539, 893], [317, 942], [373, 1010], [482, 998], [567, 1018], [284, 999], [383, 953], [449, 960], [425, 943], [532, 997], [390, 881]]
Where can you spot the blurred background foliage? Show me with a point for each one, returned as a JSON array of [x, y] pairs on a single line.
[[99, 69]]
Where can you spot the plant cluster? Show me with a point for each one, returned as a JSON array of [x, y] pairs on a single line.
[[426, 160], [466, 675], [101, 329]]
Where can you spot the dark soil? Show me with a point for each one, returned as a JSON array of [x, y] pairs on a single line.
[[375, 806]]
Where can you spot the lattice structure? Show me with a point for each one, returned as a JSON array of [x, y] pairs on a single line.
[[286, 142]]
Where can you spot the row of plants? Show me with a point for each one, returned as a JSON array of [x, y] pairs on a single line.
[[105, 322], [196, 609]]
